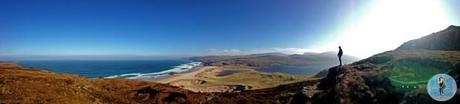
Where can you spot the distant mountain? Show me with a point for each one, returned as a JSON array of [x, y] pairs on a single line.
[[274, 54], [270, 59], [330, 55]]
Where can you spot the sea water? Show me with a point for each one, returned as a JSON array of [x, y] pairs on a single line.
[[129, 69]]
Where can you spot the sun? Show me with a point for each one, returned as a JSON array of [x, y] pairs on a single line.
[[389, 23]]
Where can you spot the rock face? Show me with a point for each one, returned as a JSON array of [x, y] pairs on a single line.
[[447, 39], [354, 84]]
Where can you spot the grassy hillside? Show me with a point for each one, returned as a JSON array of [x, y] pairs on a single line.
[[20, 85], [23, 85], [398, 76]]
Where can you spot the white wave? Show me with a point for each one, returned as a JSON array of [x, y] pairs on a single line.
[[176, 69]]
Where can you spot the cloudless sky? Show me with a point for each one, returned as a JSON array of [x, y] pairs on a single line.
[[168, 27]]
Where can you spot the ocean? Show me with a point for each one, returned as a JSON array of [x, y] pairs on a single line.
[[129, 69]]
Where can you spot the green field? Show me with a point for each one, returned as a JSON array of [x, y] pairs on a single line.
[[409, 76]]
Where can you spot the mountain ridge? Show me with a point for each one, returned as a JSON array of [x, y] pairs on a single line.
[[446, 39]]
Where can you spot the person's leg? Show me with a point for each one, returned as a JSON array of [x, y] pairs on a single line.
[[340, 60], [338, 57], [440, 91]]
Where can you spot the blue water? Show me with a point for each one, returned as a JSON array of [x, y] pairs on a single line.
[[104, 68], [310, 69]]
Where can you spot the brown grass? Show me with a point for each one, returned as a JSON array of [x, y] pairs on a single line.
[[31, 86], [19, 85]]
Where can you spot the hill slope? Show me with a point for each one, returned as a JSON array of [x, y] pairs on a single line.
[[23, 85], [447, 39], [397, 76]]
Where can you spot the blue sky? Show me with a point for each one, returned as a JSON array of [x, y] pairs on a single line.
[[172, 27]]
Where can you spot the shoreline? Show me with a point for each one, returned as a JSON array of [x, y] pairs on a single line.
[[190, 74], [179, 69]]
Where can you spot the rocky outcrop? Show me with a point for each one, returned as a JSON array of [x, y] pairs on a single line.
[[353, 84]]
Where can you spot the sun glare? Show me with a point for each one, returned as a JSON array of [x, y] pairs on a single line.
[[389, 23]]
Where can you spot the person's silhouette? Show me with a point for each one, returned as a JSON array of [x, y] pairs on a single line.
[[340, 55], [442, 85]]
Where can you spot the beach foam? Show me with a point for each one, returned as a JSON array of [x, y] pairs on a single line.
[[176, 69]]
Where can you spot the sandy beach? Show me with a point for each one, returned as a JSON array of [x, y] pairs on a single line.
[[228, 79], [197, 80], [192, 74]]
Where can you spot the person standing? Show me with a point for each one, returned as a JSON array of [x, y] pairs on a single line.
[[340, 55], [442, 86]]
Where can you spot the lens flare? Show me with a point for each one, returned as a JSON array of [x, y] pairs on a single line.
[[389, 23]]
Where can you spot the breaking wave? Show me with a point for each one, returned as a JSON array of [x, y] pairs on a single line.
[[176, 69]]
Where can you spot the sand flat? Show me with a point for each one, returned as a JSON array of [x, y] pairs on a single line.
[[207, 79], [186, 75]]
